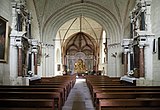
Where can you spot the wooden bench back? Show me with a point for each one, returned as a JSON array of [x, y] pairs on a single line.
[[128, 103], [27, 103]]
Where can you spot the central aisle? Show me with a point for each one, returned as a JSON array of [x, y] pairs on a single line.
[[79, 98]]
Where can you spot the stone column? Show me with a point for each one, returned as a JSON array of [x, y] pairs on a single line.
[[129, 66], [141, 61], [131, 60], [20, 61], [13, 62], [13, 52], [125, 63], [32, 62], [35, 63], [125, 45], [34, 55], [29, 61]]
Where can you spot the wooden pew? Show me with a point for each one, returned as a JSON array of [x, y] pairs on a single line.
[[103, 88], [34, 89], [102, 83], [125, 95], [95, 86], [56, 88], [124, 104], [27, 103], [94, 78], [7, 108], [125, 89], [54, 85], [55, 96], [66, 82]]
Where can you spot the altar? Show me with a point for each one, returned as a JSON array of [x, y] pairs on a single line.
[[79, 63], [80, 67]]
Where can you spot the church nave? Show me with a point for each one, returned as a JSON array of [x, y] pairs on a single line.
[[79, 98]]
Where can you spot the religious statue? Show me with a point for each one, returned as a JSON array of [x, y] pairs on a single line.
[[79, 66]]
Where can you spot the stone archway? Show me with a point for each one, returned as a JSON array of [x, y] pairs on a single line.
[[80, 46]]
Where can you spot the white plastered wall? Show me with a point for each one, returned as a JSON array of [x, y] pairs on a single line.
[[155, 7], [5, 12], [47, 63], [114, 63]]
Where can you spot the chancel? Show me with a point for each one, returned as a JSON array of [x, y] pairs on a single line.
[[79, 54]]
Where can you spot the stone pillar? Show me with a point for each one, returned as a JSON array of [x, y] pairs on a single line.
[[34, 55], [141, 62], [125, 63], [148, 58], [9, 78], [13, 61], [125, 45], [29, 61], [131, 61], [20, 61], [35, 63], [129, 66], [32, 62]]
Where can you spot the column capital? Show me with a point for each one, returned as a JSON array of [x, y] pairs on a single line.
[[148, 2], [125, 42], [142, 38], [34, 43], [19, 42], [140, 46], [14, 4], [127, 45]]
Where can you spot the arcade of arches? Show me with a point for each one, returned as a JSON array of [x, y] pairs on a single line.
[[45, 38]]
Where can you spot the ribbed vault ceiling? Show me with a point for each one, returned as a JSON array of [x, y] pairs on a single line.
[[80, 24], [80, 42], [112, 15]]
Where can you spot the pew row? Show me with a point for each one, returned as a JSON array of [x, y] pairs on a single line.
[[55, 96], [125, 95], [52, 94], [27, 103], [111, 89], [129, 104]]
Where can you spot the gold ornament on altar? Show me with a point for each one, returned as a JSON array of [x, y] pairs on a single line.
[[79, 66]]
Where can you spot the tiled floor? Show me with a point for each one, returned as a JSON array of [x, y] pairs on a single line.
[[79, 97]]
